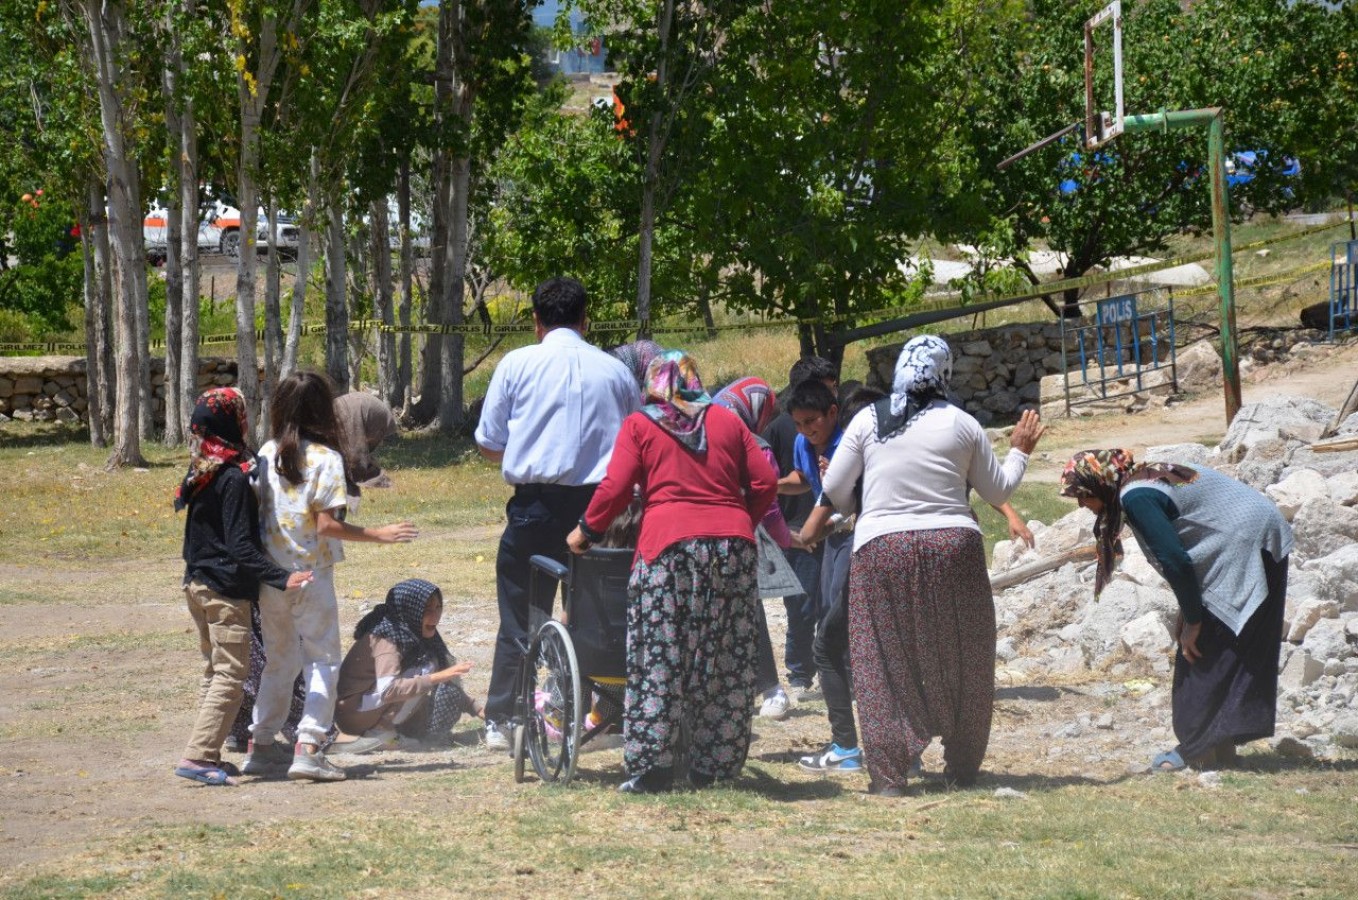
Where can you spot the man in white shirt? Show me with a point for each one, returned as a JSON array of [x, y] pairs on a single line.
[[551, 414]]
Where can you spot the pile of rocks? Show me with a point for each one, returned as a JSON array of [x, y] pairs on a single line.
[[1052, 624]]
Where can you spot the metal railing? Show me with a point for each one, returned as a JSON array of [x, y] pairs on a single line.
[[1123, 341], [1343, 287]]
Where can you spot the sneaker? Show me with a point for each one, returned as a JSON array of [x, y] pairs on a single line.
[[233, 744], [497, 739], [265, 759], [803, 693], [835, 759], [368, 742], [311, 765], [776, 706]]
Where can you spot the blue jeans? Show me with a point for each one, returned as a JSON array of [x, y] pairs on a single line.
[[803, 612]]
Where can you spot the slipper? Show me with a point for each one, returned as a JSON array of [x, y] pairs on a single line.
[[211, 776], [229, 768], [1169, 761]]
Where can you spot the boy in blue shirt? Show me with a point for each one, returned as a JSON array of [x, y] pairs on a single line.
[[815, 410]]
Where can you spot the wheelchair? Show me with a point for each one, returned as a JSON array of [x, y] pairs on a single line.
[[567, 662]]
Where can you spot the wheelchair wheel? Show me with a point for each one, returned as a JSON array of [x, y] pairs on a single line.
[[555, 705], [519, 750]]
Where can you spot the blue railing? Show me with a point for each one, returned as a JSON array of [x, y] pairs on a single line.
[[1343, 286], [1122, 338]]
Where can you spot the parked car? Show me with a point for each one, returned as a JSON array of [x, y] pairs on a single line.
[[218, 230]]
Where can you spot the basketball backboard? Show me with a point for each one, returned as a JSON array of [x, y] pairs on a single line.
[[1101, 125]]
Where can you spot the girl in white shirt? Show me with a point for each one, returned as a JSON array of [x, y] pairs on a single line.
[[302, 506]]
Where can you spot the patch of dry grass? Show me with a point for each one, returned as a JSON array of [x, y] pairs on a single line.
[[1259, 834]]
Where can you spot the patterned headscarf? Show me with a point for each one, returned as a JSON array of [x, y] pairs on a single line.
[[923, 371], [676, 399], [637, 358], [217, 432], [753, 400], [1101, 475], [401, 621]]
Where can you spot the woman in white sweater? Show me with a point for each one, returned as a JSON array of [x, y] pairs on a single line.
[[921, 615]]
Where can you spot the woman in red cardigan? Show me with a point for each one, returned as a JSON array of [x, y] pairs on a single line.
[[691, 623]]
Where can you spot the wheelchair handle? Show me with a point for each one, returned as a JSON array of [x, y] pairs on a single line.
[[551, 567]]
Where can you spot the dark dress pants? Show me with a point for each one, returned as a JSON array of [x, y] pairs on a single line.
[[539, 518]]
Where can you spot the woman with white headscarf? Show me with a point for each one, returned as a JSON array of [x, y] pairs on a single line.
[[921, 615]]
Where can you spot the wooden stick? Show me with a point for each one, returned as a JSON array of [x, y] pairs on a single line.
[[1008, 579], [1336, 445], [1350, 406]]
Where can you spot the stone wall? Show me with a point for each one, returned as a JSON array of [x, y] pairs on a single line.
[[53, 388], [998, 372]]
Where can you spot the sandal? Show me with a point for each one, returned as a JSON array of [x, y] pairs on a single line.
[[1169, 761], [209, 775]]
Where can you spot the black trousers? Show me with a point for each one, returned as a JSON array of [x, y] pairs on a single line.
[[539, 517], [831, 647]]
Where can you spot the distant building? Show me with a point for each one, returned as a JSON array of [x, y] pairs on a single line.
[[588, 57]]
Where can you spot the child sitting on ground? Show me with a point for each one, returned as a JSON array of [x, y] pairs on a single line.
[[399, 678]]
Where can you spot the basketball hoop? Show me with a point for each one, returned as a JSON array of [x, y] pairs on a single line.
[[1102, 126]]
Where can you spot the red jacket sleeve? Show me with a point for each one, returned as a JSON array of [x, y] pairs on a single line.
[[762, 480], [614, 493]]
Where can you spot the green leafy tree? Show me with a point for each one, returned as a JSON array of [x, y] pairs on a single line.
[[1265, 63], [831, 147]]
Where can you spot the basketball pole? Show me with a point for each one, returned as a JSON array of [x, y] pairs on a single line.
[[1214, 119]]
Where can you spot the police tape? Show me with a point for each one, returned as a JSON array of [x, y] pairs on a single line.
[[1258, 281], [949, 300]]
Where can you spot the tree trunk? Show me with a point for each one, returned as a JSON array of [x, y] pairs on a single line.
[[253, 93], [188, 202], [273, 318], [94, 314], [103, 380], [181, 219], [650, 177], [387, 375], [356, 290], [431, 359], [454, 285], [336, 310], [174, 273], [174, 325], [445, 92], [645, 239], [299, 286], [247, 200], [106, 21], [403, 375]]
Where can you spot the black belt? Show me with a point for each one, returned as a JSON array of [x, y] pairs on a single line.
[[552, 490]]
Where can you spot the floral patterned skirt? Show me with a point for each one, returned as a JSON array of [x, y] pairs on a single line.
[[692, 639]]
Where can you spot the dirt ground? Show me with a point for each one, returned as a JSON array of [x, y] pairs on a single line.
[[96, 696]]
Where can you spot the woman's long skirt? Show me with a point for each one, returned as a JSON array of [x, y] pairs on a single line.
[[1230, 695], [692, 633], [922, 644]]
